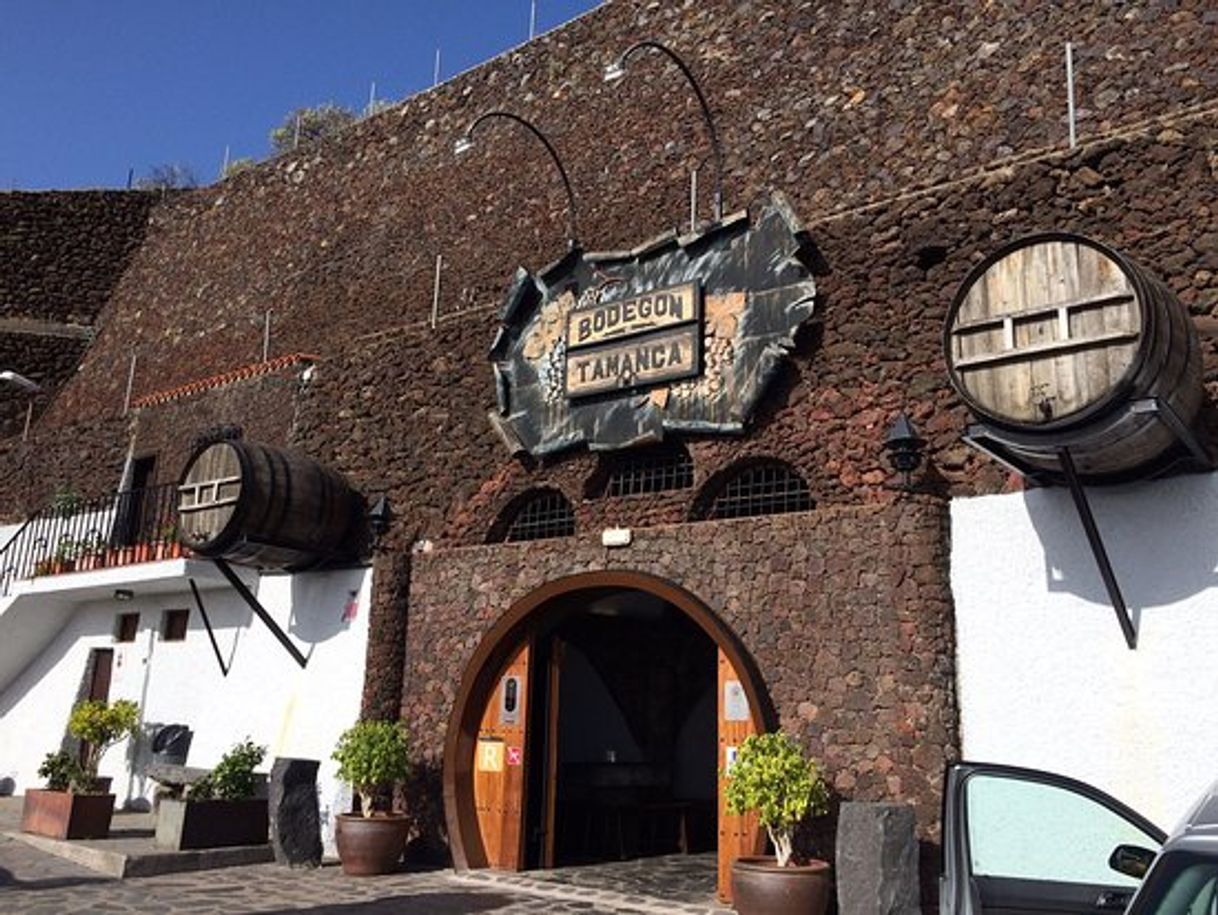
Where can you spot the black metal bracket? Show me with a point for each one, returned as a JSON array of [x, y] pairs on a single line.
[[1097, 548], [239, 586], [1012, 448], [211, 635]]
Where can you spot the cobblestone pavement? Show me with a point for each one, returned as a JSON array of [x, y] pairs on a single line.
[[33, 883]]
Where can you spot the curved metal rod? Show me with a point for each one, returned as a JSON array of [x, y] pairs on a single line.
[[706, 109], [572, 236]]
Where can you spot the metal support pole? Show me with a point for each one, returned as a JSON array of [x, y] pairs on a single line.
[[1097, 548], [1070, 93], [130, 386], [29, 418], [266, 336], [532, 19], [435, 292], [207, 625], [693, 201], [435, 76], [246, 595]]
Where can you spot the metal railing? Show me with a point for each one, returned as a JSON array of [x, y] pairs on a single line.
[[126, 527]]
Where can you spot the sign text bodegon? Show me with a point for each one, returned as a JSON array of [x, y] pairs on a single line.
[[645, 339]]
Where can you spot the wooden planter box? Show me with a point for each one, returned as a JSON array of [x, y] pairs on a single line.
[[63, 815], [211, 824]]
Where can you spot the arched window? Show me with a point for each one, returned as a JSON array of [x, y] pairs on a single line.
[[535, 515], [765, 487], [648, 470]]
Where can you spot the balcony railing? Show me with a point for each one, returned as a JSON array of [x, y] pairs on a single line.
[[126, 527]]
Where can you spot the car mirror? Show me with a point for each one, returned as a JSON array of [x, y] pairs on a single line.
[[1131, 860]]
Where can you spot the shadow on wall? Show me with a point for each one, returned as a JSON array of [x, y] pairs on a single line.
[[1161, 538], [422, 797], [324, 604]]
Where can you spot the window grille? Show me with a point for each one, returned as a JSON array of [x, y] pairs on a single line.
[[653, 471], [541, 515], [769, 488]]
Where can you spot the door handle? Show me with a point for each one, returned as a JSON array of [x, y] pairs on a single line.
[[1112, 900]]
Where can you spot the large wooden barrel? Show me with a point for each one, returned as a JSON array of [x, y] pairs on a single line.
[[1052, 337], [267, 507]]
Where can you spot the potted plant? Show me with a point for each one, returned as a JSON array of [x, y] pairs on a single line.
[[772, 778], [76, 804], [99, 726], [371, 756], [220, 809]]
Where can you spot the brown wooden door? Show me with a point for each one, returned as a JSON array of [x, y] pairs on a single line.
[[499, 773], [554, 677], [738, 835], [101, 666]]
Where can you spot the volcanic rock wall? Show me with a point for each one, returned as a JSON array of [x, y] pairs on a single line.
[[60, 255]]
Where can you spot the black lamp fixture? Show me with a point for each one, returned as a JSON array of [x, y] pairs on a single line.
[[379, 518], [466, 142], [617, 70], [904, 447], [123, 594]]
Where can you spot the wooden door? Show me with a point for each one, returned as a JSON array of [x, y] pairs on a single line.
[[499, 773], [553, 678], [739, 835], [101, 666]]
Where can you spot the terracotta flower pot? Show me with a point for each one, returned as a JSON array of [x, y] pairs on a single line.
[[370, 845], [761, 887]]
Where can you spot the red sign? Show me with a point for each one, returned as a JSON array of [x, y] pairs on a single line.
[[514, 756]]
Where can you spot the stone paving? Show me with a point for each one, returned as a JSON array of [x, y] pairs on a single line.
[[33, 883]]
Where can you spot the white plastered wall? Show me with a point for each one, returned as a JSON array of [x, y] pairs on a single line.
[[265, 696], [1045, 678]]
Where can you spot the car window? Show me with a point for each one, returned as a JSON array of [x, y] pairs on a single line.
[[1035, 831], [1184, 885]]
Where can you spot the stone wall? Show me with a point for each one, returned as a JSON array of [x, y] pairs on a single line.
[[845, 611], [60, 255], [348, 232]]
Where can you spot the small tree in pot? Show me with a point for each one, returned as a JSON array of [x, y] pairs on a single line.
[[371, 756], [76, 804], [100, 726], [773, 778]]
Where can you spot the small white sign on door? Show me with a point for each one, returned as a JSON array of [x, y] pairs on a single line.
[[729, 759], [735, 702]]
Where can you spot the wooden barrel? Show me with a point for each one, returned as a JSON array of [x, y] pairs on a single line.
[[267, 507], [1052, 338]]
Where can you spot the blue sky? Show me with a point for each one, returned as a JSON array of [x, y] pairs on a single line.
[[90, 89]]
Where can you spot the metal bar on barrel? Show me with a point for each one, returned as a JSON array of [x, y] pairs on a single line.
[[239, 586]]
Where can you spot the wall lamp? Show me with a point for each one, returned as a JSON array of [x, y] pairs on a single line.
[[616, 70], [904, 447], [380, 516], [466, 142]]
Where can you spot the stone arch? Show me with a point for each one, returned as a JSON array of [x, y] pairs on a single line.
[[479, 681]]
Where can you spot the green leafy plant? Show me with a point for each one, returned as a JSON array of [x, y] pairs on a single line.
[[102, 725], [61, 771], [372, 755], [66, 501], [233, 777], [772, 777]]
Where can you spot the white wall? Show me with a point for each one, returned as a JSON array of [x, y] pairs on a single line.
[[265, 696], [1045, 679]]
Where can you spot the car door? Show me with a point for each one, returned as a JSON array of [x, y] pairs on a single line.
[[1019, 841]]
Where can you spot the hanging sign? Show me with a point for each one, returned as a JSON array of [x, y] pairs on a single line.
[[682, 333], [515, 756]]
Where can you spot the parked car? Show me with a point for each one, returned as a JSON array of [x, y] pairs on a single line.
[[1021, 840]]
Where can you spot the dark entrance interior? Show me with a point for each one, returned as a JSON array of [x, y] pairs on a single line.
[[622, 732]]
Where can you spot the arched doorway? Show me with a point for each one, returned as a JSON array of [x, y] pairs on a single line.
[[519, 792]]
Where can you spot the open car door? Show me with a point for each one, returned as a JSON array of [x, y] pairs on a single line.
[[1018, 841]]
